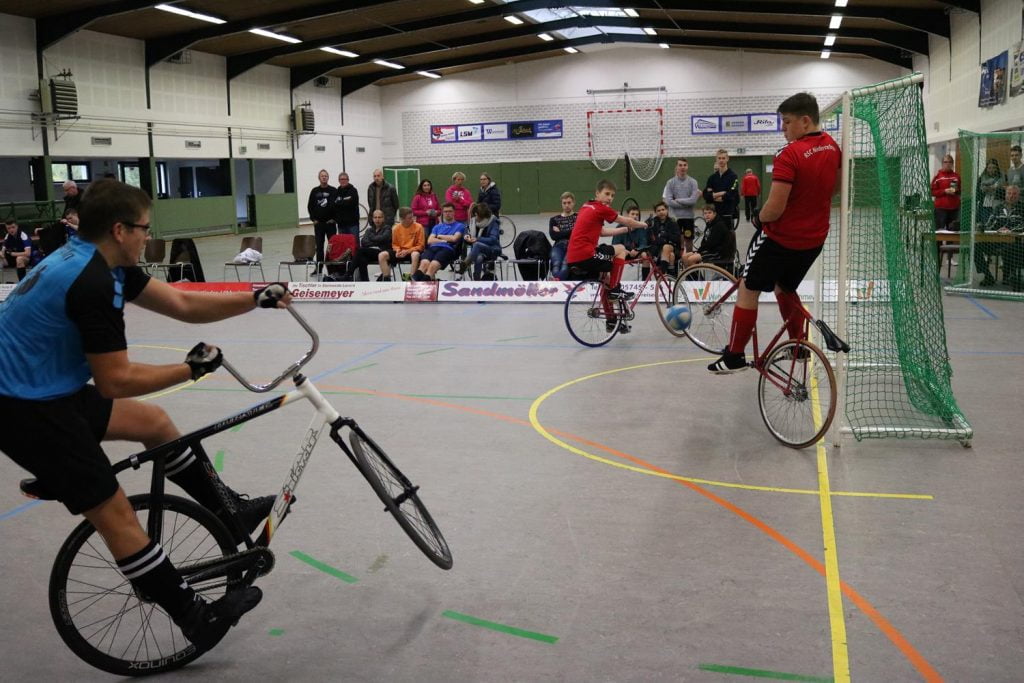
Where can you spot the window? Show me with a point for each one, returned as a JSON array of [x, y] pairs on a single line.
[[162, 188], [70, 170], [129, 173]]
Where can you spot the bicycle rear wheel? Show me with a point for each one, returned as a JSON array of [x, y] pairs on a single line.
[[662, 302], [508, 232], [701, 288], [587, 314], [400, 498], [99, 615], [797, 393]]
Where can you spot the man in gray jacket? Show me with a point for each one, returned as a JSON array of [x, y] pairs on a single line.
[[382, 195], [681, 194]]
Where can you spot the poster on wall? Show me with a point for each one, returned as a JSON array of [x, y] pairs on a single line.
[[521, 130], [764, 123], [495, 131], [502, 130], [705, 125], [993, 81], [549, 129], [471, 133], [1017, 70], [736, 124], [442, 134]]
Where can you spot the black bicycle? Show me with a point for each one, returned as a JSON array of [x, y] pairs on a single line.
[[109, 625]]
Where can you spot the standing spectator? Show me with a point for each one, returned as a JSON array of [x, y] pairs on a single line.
[[681, 194], [443, 244], [407, 242], [375, 241], [346, 206], [946, 191], [1015, 171], [990, 185], [321, 211], [722, 186], [559, 228], [486, 245], [458, 197], [425, 205], [665, 237], [71, 196], [17, 249], [750, 189], [489, 194], [382, 195]]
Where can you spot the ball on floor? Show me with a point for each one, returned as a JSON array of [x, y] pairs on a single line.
[[678, 317]]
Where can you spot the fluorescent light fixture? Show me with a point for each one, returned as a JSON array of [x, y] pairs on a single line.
[[841, 3], [275, 36], [650, 31], [477, 2], [513, 19], [835, 22], [390, 65], [546, 37], [825, 54], [343, 53], [830, 40], [663, 45], [571, 50], [189, 13], [631, 13], [429, 74]]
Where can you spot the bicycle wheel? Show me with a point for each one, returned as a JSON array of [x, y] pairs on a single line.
[[797, 393], [364, 219], [662, 302], [586, 315], [627, 204], [508, 232], [99, 615], [400, 498], [699, 227], [701, 287]]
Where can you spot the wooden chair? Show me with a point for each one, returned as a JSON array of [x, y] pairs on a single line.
[[303, 254], [251, 242]]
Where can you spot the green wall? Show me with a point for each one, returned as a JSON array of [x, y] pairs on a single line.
[[275, 211], [193, 217]]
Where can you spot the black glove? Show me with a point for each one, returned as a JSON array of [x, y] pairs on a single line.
[[268, 296], [203, 360]]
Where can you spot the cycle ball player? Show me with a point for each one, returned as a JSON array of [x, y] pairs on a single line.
[[64, 324]]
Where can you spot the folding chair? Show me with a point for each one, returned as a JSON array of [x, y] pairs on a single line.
[[247, 243], [303, 254], [153, 260]]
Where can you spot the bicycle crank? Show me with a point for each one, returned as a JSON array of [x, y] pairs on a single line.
[[261, 559]]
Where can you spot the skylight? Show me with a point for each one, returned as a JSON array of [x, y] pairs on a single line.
[[555, 14]]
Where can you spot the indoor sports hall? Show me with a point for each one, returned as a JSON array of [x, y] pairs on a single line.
[[513, 474]]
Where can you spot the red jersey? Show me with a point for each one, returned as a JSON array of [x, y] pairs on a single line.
[[940, 182], [583, 240], [810, 165], [750, 186]]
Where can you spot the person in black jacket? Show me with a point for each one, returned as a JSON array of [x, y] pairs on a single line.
[[722, 188], [717, 239], [376, 240], [321, 212], [346, 206], [489, 194]]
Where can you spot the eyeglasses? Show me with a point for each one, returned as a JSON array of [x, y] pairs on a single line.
[[145, 226]]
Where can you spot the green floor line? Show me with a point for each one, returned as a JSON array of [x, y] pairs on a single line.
[[358, 367], [238, 427], [762, 673], [363, 393], [532, 336], [325, 568], [275, 632], [218, 461], [502, 628], [423, 353]]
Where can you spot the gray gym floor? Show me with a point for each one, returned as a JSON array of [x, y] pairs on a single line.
[[634, 577]]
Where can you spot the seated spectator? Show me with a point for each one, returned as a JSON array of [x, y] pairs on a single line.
[[341, 264], [17, 249], [442, 245], [486, 245], [717, 236], [665, 236], [407, 243], [559, 229], [635, 242], [1010, 218], [52, 237], [375, 241]]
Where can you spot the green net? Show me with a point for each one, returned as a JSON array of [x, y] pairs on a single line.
[[896, 378], [989, 251]]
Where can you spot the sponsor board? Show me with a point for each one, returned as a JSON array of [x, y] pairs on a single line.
[[347, 291], [495, 131], [549, 129], [503, 290], [442, 134], [218, 287], [764, 123], [5, 290], [471, 133], [417, 292], [736, 124], [705, 125]]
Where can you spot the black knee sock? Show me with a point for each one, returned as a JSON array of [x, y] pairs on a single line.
[[194, 473], [151, 572], [21, 274]]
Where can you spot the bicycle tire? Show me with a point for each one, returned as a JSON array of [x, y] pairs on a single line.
[[699, 227], [364, 219], [803, 401], [84, 567], [585, 315], [400, 498], [663, 296], [710, 321], [508, 234]]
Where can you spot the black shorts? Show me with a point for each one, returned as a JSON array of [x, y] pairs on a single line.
[[770, 264], [58, 441], [686, 227], [436, 252], [600, 262]]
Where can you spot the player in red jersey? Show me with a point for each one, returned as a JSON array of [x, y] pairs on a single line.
[[791, 227], [586, 258]]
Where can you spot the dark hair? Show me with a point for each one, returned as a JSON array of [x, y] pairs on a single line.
[[420, 190], [710, 205], [10, 221], [1015, 148], [657, 204], [107, 202], [605, 184], [482, 211], [801, 104], [683, 159], [448, 205], [992, 162]]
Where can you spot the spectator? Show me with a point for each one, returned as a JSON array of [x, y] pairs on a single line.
[[486, 245], [716, 240], [52, 237], [559, 228], [425, 205], [442, 245], [346, 206], [635, 242], [71, 196], [722, 186], [1015, 171], [1010, 218], [489, 194], [407, 242], [375, 241], [946, 191], [750, 189], [458, 196], [17, 249], [681, 194], [665, 237], [382, 195], [321, 211], [990, 183]]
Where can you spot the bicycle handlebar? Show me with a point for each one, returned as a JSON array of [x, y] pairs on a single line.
[[291, 370]]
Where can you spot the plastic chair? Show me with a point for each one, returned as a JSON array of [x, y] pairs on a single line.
[[153, 259], [303, 254], [247, 243]]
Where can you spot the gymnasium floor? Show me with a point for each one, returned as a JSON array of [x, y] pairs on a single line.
[[517, 436]]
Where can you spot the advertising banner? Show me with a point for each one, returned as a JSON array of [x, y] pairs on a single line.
[[736, 124], [549, 129], [356, 292], [497, 130], [705, 125], [764, 123], [442, 134], [471, 133]]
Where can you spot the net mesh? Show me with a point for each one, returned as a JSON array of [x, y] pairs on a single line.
[[897, 374], [638, 132]]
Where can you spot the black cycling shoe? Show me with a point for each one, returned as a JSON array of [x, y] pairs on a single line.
[[250, 511], [729, 363], [205, 623], [619, 294]]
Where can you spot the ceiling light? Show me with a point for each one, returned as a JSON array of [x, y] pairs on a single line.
[[830, 40], [545, 36], [275, 36], [825, 54], [513, 19], [663, 45], [429, 74], [477, 2], [631, 13], [343, 53], [390, 65], [650, 31], [836, 20], [188, 13], [841, 3], [571, 50]]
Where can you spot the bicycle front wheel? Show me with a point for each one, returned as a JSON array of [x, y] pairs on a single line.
[[662, 302], [590, 318], [797, 393], [400, 498], [508, 232], [702, 288], [100, 616]]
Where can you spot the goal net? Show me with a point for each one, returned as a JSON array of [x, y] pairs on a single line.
[[879, 286], [635, 133]]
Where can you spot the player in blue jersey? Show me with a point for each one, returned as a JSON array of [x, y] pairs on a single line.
[[64, 324]]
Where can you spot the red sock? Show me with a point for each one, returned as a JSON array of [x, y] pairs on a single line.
[[617, 266], [790, 307], [743, 321]]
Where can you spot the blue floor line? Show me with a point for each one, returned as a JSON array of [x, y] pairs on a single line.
[[983, 308], [18, 510]]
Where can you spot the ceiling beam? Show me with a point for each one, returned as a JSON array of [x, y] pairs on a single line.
[[53, 29]]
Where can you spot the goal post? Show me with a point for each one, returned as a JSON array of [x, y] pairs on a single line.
[[878, 285]]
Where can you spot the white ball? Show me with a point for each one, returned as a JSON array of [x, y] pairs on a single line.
[[678, 318]]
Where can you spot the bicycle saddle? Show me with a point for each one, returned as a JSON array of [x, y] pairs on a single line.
[[832, 342], [33, 489]]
